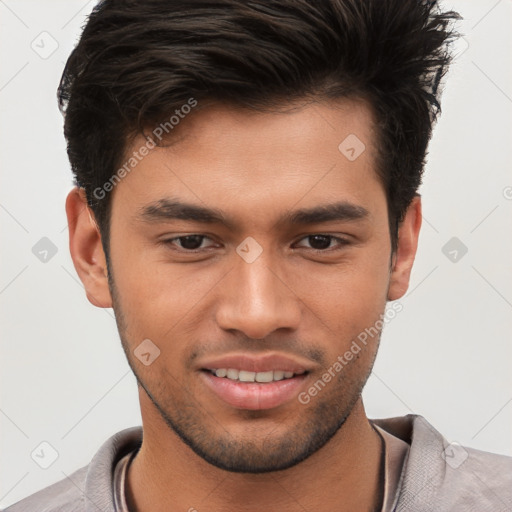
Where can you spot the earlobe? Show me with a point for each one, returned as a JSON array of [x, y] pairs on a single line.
[[403, 258], [87, 250]]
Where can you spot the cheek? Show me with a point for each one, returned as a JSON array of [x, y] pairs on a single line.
[[349, 297], [348, 305], [159, 299]]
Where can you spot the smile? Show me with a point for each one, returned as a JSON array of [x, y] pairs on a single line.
[[243, 389], [246, 376]]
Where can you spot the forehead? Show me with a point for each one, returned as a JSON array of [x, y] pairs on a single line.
[[316, 126], [237, 159]]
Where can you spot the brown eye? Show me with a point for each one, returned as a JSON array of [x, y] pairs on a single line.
[[191, 242], [320, 241], [188, 242]]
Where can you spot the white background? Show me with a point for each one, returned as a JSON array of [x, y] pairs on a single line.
[[446, 356]]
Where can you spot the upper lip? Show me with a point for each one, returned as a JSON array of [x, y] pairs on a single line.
[[260, 363]]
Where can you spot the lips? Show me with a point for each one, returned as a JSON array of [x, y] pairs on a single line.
[[263, 363], [252, 382]]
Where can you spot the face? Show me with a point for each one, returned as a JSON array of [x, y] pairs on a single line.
[[252, 249]]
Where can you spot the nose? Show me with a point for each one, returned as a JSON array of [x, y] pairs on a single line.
[[257, 301]]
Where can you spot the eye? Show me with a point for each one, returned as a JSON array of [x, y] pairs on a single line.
[[319, 242], [188, 242]]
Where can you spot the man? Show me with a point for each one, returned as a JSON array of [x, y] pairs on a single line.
[[246, 201]]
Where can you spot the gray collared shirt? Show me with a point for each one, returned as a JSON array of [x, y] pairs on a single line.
[[395, 454], [437, 476]]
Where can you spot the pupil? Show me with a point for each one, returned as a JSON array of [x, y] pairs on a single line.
[[320, 241], [191, 241]]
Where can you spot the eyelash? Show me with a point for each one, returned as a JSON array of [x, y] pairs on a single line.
[[341, 243]]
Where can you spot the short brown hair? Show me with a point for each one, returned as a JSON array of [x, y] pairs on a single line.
[[139, 60]]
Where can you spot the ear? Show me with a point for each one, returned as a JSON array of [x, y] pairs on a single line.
[[86, 249], [403, 258]]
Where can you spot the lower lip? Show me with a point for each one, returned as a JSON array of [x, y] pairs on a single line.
[[254, 395]]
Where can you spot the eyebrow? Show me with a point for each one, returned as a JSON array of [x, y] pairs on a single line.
[[169, 209]]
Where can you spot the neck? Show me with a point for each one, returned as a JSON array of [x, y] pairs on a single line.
[[343, 475]]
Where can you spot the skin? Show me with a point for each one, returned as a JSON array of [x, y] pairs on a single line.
[[253, 167]]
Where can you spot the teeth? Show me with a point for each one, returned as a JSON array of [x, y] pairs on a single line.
[[245, 376], [232, 374], [264, 376]]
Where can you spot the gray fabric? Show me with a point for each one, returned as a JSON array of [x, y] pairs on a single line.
[[481, 483], [396, 452], [88, 489]]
